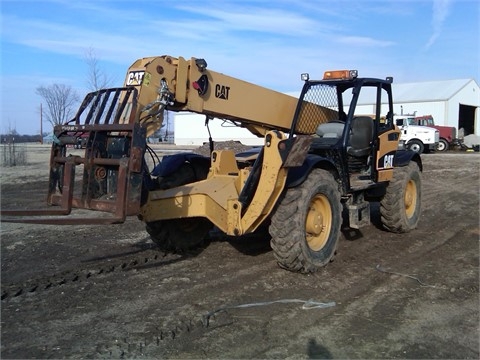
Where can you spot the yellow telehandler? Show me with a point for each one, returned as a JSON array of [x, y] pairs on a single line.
[[319, 156]]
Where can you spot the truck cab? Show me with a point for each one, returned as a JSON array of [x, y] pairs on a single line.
[[416, 138]]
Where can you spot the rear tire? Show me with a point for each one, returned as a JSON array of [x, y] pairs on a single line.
[[400, 207], [306, 224]]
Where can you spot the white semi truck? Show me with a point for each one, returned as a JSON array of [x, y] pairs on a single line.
[[416, 138]]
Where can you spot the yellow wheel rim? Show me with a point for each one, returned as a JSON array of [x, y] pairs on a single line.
[[318, 222], [410, 198]]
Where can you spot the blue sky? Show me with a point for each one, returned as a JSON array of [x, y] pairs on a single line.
[[269, 43]]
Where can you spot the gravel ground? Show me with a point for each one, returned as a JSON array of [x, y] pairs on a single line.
[[108, 292]]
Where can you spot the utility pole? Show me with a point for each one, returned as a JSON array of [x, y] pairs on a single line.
[[41, 125]]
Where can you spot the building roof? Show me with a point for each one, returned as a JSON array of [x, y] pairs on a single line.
[[428, 91], [439, 90]]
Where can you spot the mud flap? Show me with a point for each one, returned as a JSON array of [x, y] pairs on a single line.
[[294, 150]]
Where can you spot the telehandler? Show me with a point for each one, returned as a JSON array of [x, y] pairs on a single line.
[[320, 156]]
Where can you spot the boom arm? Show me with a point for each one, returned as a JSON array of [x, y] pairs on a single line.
[[112, 175], [181, 85]]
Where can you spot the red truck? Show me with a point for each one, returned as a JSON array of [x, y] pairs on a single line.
[[448, 134]]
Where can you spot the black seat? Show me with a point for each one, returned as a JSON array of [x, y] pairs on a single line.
[[361, 136]]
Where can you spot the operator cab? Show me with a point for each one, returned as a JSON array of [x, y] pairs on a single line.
[[334, 111]]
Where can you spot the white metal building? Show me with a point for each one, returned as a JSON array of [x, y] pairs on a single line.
[[190, 129], [451, 103]]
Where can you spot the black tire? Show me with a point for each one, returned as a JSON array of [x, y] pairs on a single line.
[[305, 227], [442, 145], [400, 207], [416, 145], [179, 235]]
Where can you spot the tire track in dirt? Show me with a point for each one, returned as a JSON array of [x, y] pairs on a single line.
[[87, 274]]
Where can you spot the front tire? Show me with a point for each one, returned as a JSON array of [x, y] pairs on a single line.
[[305, 227], [416, 145], [400, 207], [179, 235]]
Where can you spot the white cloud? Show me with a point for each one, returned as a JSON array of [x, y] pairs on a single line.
[[265, 20], [440, 12], [364, 41], [67, 39]]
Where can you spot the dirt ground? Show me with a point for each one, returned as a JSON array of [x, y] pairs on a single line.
[[107, 292]]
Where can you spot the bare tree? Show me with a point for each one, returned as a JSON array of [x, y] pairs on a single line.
[[61, 101], [96, 78]]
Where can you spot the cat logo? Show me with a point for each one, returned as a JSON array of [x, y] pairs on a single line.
[[222, 91], [135, 77], [388, 161]]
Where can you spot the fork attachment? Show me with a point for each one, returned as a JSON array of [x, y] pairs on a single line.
[[108, 177]]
